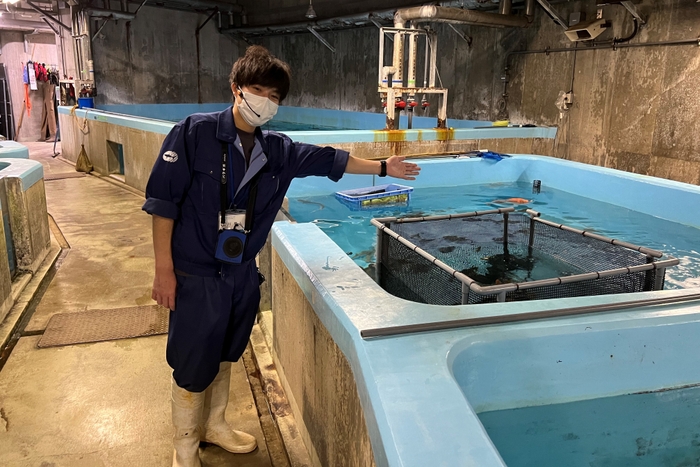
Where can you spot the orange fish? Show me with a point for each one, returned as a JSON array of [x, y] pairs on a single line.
[[512, 201]]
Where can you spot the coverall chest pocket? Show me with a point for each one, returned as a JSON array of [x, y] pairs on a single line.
[[206, 185], [268, 187]]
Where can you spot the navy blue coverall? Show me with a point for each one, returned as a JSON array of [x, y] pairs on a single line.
[[215, 302]]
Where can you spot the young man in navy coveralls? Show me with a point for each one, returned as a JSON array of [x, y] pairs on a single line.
[[214, 303]]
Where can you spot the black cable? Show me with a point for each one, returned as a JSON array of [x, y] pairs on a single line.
[[631, 36]]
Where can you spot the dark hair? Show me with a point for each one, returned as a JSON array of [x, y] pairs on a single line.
[[259, 66]]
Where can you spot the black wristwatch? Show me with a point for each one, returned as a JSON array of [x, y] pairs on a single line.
[[382, 172]]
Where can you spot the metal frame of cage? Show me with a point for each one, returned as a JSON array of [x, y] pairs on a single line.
[[500, 290]]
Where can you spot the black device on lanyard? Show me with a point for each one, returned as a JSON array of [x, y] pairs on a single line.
[[234, 226]]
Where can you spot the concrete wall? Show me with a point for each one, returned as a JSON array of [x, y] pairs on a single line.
[[153, 59], [317, 378], [634, 109]]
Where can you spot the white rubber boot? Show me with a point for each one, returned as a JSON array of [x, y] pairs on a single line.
[[187, 416], [215, 430]]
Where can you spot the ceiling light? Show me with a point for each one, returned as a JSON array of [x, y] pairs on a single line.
[[310, 13]]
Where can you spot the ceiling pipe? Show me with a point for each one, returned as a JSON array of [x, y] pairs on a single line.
[[364, 19], [505, 7], [530, 9], [341, 22], [431, 13], [202, 4], [110, 14], [23, 26], [44, 13], [48, 23], [338, 22]]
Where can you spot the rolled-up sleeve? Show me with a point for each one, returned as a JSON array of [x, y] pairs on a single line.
[[308, 159], [171, 175]]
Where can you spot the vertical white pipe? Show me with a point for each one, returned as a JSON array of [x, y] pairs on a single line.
[[390, 109], [412, 58], [442, 113], [381, 57], [398, 54], [433, 58], [427, 61]]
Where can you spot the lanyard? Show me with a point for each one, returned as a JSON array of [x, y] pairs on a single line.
[[252, 195]]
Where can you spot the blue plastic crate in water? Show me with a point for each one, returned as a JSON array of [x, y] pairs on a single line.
[[376, 196]]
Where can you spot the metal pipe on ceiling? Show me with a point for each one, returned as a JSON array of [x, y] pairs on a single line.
[[431, 13], [44, 13], [110, 14], [201, 4], [20, 26], [341, 22], [694, 41], [530, 8], [48, 23], [505, 7], [338, 22]]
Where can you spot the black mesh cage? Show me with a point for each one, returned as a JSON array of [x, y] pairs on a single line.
[[506, 256]]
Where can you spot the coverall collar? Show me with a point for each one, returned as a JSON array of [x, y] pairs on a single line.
[[226, 129]]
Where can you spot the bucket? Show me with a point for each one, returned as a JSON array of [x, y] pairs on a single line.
[[86, 102]]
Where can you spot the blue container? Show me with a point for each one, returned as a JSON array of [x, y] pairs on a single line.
[[376, 196], [86, 102]]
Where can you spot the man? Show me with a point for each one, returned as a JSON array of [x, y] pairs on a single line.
[[205, 260]]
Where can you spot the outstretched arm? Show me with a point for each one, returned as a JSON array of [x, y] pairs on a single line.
[[395, 167]]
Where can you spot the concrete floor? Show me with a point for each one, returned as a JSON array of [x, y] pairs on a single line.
[[102, 404]]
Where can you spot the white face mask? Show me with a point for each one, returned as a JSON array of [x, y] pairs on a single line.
[[256, 110]]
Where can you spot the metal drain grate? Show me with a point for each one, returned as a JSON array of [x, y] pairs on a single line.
[[105, 325]]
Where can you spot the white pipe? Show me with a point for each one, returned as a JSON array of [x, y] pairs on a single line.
[[381, 60], [432, 42], [412, 58], [431, 13], [390, 109], [427, 60], [397, 61], [386, 71], [442, 113]]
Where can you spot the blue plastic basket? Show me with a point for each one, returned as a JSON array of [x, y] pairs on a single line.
[[376, 196], [86, 102]]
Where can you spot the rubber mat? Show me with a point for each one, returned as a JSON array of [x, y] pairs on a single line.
[[104, 325]]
